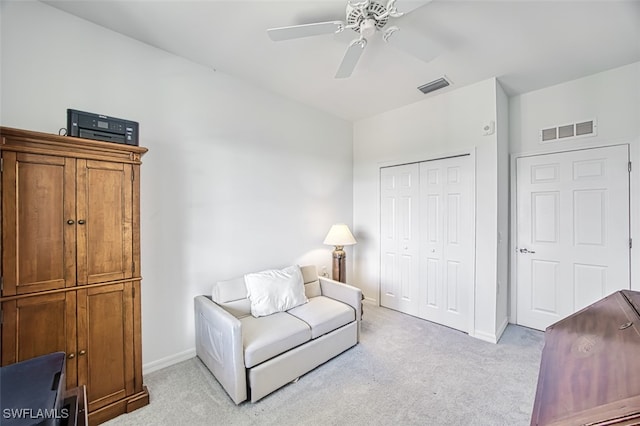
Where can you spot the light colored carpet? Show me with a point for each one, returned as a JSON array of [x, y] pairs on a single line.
[[404, 371]]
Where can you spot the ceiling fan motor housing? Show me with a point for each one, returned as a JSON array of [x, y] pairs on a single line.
[[363, 19]]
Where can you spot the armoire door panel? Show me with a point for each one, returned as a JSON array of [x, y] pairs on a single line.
[[38, 241], [105, 324], [104, 210], [39, 325]]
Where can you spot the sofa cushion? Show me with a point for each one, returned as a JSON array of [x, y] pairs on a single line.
[[311, 282], [324, 314], [232, 295], [238, 308], [275, 290], [229, 290], [269, 336]]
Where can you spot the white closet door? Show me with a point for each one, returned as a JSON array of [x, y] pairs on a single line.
[[446, 241], [427, 240], [399, 187], [572, 231]]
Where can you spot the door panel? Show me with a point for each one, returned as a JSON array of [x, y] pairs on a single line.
[[105, 321], [39, 325], [104, 209], [572, 213], [446, 241], [427, 239], [399, 223], [38, 244]]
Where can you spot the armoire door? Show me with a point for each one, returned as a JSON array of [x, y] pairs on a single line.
[[38, 223], [105, 216], [105, 343], [39, 325], [399, 260]]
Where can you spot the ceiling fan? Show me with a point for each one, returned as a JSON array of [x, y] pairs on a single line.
[[366, 18]]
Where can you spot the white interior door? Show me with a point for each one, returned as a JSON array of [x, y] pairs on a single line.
[[427, 243], [572, 231], [446, 241], [399, 194]]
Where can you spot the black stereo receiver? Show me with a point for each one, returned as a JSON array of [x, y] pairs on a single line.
[[102, 128]]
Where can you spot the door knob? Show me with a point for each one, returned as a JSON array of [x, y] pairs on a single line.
[[71, 356], [525, 250], [70, 222], [81, 222], [82, 352]]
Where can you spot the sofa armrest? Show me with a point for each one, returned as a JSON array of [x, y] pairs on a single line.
[[344, 293], [219, 346]]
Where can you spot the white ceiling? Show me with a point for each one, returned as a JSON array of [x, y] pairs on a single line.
[[527, 45]]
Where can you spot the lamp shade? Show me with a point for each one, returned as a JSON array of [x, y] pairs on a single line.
[[339, 235]]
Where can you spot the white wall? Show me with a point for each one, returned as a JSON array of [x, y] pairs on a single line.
[[441, 125], [236, 179], [502, 130], [613, 99]]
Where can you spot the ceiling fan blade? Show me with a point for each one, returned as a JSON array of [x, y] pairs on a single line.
[[406, 6], [306, 30], [351, 57], [415, 44]]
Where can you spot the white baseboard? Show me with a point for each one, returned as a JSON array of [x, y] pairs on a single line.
[[481, 335], [490, 337], [503, 327], [152, 366]]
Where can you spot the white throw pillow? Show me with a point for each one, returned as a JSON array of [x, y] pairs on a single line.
[[275, 290]]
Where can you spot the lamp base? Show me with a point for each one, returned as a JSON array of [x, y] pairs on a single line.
[[339, 268]]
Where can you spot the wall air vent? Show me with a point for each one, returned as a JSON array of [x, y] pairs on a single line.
[[434, 85], [569, 131]]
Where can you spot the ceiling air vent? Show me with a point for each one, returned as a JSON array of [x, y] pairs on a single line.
[[434, 85], [568, 131]]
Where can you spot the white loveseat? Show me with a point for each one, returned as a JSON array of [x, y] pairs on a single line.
[[253, 356]]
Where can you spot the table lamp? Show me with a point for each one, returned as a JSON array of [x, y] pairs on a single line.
[[339, 236]]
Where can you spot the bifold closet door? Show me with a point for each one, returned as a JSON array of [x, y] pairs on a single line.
[[399, 221], [427, 239], [446, 241]]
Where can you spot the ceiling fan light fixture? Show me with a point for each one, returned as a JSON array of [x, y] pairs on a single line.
[[434, 85], [368, 28]]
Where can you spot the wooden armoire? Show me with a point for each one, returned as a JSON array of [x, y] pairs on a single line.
[[70, 273], [590, 366]]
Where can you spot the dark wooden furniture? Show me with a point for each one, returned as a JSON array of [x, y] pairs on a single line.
[[75, 404], [590, 368], [71, 263]]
